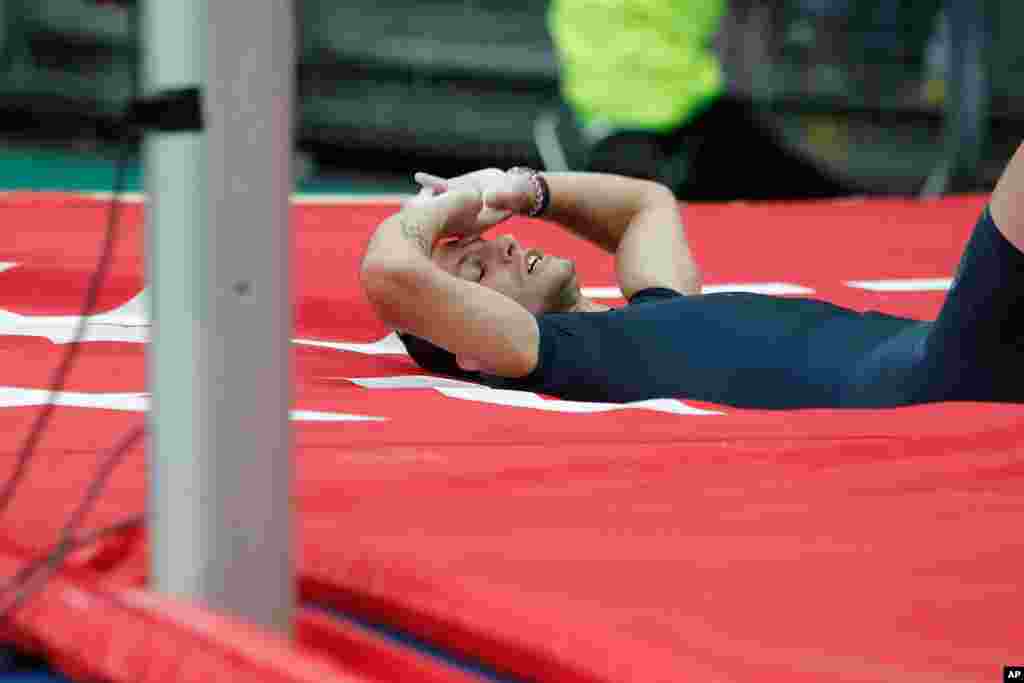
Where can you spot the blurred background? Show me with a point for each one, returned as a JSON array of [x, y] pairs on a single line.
[[892, 95]]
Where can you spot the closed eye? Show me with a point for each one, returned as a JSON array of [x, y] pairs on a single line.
[[471, 268]]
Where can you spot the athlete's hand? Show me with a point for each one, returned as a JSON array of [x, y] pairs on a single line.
[[455, 212], [503, 194]]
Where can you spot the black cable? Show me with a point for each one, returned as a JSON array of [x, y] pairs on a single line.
[[54, 559], [33, 577], [96, 282], [169, 110], [31, 442], [59, 377]]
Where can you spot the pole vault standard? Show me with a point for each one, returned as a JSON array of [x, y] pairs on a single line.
[[218, 248]]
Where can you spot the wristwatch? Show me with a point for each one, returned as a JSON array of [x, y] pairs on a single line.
[[541, 190]]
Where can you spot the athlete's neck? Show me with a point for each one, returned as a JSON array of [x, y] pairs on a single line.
[[585, 305]]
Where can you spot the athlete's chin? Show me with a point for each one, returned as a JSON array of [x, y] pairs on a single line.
[[562, 267], [570, 275], [558, 272], [563, 288]]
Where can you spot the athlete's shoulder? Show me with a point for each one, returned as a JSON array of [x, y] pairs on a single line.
[[652, 294]]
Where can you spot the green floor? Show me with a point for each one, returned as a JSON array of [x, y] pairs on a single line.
[[26, 168], [40, 169]]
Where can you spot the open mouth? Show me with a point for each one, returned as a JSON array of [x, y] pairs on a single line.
[[533, 258]]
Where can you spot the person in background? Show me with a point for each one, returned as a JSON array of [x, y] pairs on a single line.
[[646, 97]]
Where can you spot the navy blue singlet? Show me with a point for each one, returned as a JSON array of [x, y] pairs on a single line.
[[766, 352]]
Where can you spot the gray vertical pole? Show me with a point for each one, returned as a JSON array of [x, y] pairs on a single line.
[[967, 99], [218, 247], [967, 94]]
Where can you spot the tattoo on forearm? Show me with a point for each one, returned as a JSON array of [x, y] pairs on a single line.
[[415, 234]]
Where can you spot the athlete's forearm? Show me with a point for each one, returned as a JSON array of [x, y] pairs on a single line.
[[599, 207], [397, 259], [1007, 201], [403, 239], [636, 220]]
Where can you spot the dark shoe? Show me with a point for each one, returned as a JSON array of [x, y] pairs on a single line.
[[723, 154], [733, 155]]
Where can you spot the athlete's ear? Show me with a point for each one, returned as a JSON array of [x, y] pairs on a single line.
[[469, 364]]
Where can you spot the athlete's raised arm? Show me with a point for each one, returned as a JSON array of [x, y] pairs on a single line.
[[636, 220]]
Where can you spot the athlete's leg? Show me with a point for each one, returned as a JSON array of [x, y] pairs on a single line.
[[1007, 201], [976, 346]]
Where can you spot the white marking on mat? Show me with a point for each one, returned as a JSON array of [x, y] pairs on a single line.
[[770, 288], [317, 416], [60, 329], [410, 382], [938, 284], [390, 344], [18, 397], [526, 399], [468, 391]]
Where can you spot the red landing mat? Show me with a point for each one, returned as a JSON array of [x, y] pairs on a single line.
[[567, 541]]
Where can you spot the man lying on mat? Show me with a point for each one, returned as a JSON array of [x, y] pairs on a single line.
[[497, 313]]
